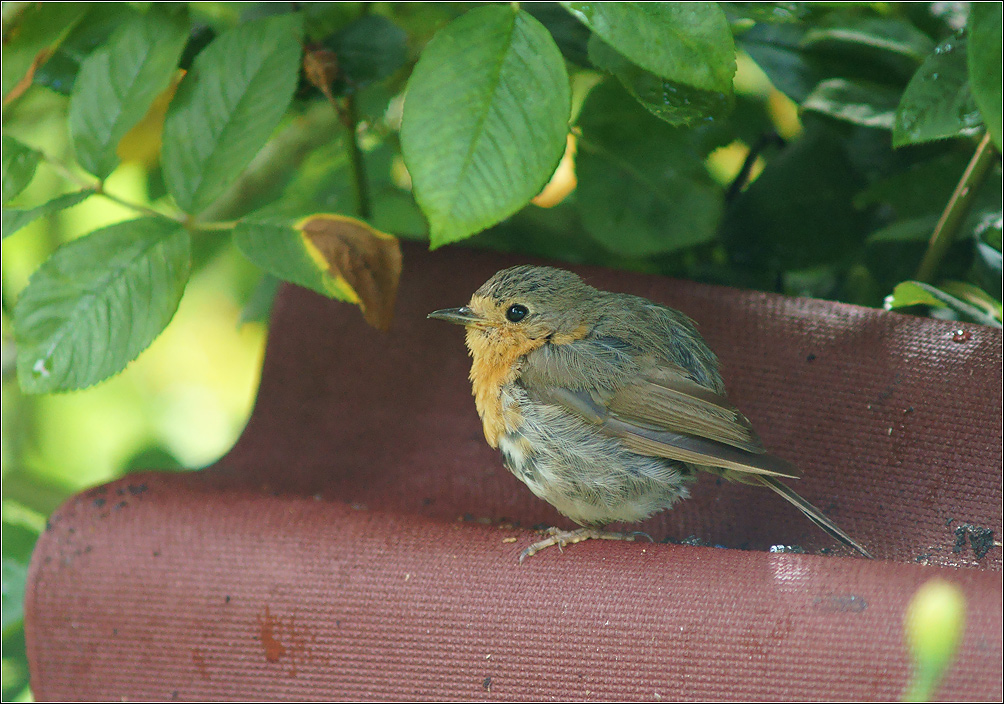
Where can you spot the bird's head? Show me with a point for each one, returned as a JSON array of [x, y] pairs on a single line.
[[523, 307]]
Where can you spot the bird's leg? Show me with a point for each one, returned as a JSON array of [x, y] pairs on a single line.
[[561, 538]]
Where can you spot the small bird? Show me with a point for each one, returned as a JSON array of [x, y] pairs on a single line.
[[605, 404]]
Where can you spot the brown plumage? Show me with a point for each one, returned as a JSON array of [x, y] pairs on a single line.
[[604, 404]]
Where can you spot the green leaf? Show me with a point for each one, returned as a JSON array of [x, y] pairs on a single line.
[[920, 189], [916, 293], [336, 256], [687, 43], [985, 64], [798, 213], [937, 103], [98, 302], [776, 49], [643, 187], [368, 49], [42, 27], [60, 71], [117, 84], [485, 120], [14, 576], [571, 36], [888, 46], [227, 106], [974, 296], [16, 218], [679, 105], [283, 251], [257, 307], [19, 164], [866, 104]]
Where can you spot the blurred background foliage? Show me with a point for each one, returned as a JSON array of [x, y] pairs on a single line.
[[816, 156]]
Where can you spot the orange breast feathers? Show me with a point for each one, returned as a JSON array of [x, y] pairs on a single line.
[[496, 352]]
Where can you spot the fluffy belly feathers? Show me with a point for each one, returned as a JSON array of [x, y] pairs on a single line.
[[586, 475]]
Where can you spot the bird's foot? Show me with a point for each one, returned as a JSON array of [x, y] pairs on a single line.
[[561, 538]]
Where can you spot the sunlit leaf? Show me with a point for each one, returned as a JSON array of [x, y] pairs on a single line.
[[227, 106], [117, 84], [16, 218], [485, 120], [98, 302], [689, 43], [676, 103], [915, 293], [19, 164]]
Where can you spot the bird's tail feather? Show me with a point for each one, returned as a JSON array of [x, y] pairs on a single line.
[[810, 511]]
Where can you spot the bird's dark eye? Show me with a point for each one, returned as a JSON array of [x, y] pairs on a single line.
[[516, 313]]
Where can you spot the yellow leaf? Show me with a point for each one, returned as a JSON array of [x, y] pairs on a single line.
[[562, 182], [142, 142], [365, 262]]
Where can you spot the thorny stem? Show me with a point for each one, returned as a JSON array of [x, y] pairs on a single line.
[[956, 210]]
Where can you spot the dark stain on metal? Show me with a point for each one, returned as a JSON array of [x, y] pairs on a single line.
[[281, 640], [274, 650], [980, 539], [841, 603]]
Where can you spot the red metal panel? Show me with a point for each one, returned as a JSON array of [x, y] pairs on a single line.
[[356, 541]]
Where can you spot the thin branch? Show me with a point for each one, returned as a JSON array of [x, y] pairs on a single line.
[[99, 189], [956, 210], [363, 207]]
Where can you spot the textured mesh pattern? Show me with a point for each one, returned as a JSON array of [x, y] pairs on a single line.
[[360, 541]]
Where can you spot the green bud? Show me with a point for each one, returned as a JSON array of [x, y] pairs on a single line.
[[934, 623]]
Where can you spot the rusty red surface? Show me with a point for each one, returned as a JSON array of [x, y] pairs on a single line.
[[360, 541]]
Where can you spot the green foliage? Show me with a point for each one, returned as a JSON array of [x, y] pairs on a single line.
[[985, 64], [643, 186], [687, 43], [251, 145], [937, 103], [116, 84], [282, 251], [19, 164], [226, 108], [98, 302], [16, 218], [485, 121]]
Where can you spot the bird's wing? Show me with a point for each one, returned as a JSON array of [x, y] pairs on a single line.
[[674, 435]]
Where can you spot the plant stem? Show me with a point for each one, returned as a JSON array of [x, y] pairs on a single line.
[[99, 189], [956, 210], [356, 161], [275, 162]]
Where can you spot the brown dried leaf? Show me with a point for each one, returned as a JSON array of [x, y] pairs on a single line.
[[366, 260]]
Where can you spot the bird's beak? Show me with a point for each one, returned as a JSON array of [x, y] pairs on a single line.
[[457, 316]]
